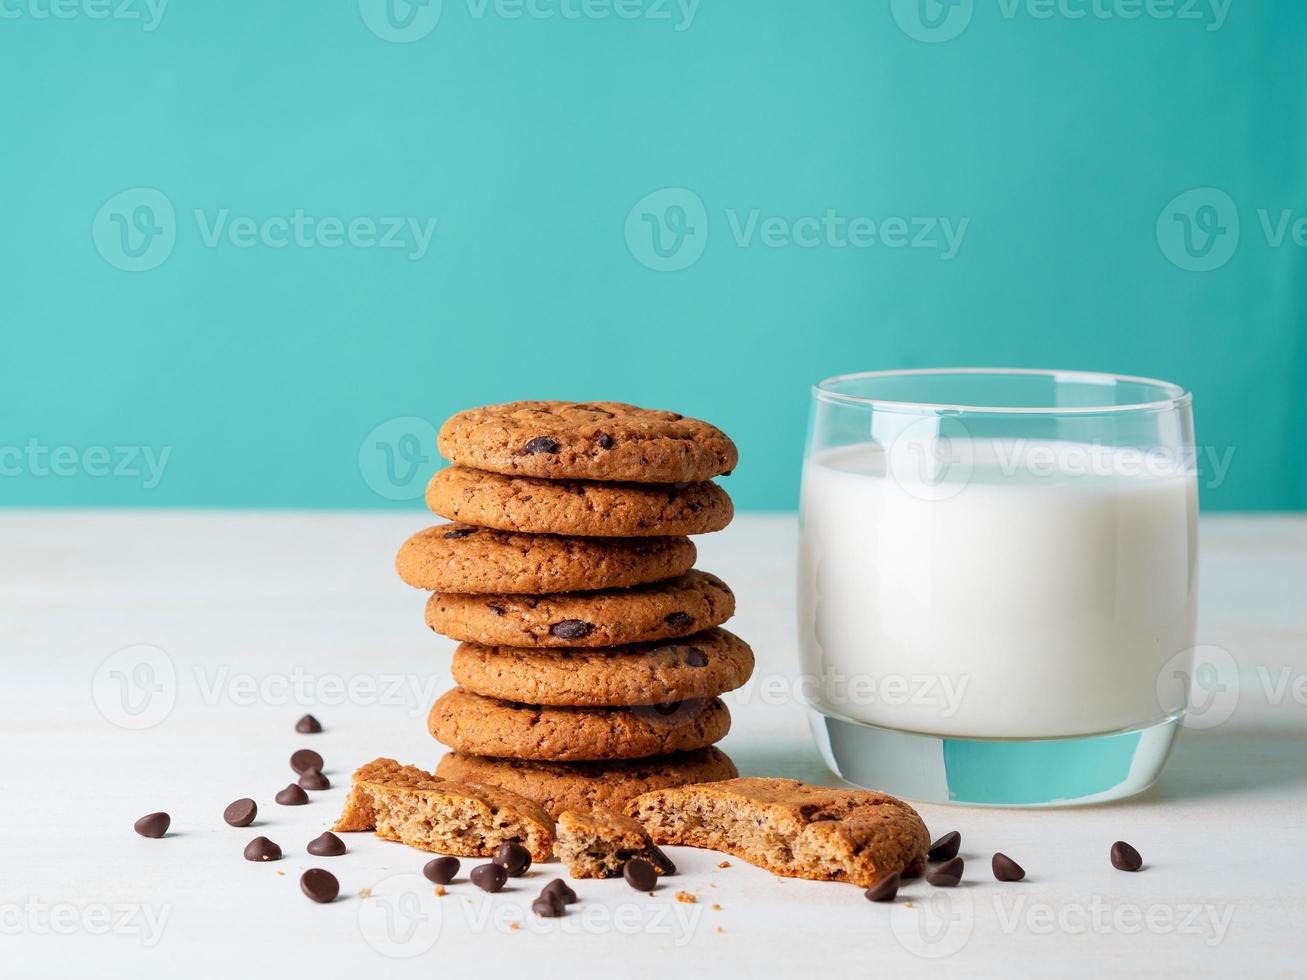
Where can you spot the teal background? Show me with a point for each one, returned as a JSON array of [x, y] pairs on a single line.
[[1060, 139]]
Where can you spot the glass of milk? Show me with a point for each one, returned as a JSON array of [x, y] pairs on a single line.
[[997, 581]]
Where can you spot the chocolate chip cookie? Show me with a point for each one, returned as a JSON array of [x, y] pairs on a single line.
[[587, 441], [418, 808], [585, 507], [477, 725], [699, 666], [561, 786], [609, 617], [597, 844], [791, 828], [459, 558]]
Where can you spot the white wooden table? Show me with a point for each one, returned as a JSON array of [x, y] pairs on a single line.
[[260, 617]]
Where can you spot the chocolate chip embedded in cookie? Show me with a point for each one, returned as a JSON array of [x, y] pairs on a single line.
[[687, 604], [561, 786], [585, 507], [587, 441], [699, 666], [791, 828], [460, 558], [473, 724], [406, 804], [597, 845]]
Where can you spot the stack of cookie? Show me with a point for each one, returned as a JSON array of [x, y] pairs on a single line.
[[592, 655]]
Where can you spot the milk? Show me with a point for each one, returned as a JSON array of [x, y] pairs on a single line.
[[1036, 590]]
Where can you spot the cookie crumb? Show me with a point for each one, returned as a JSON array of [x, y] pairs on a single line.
[[440, 891], [515, 926], [907, 905], [685, 898], [363, 892], [282, 874], [716, 907], [723, 864], [718, 929]]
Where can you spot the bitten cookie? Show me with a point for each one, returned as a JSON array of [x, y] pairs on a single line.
[[458, 558], [597, 844], [698, 666], [611, 617], [587, 441], [470, 723], [791, 828], [406, 804], [532, 505], [560, 786]]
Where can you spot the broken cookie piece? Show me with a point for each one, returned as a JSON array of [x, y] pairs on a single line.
[[791, 828], [407, 804], [597, 844]]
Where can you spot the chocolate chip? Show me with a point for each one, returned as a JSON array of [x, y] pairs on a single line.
[[562, 889], [694, 657], [495, 608], [541, 444], [313, 779], [308, 725], [947, 875], [292, 795], [660, 860], [305, 759], [319, 885], [571, 629], [1005, 869], [548, 905], [489, 877], [605, 440], [513, 858], [262, 849], [458, 532], [241, 813], [326, 844], [946, 847], [883, 890], [153, 825], [441, 870], [640, 875], [679, 620], [1125, 857]]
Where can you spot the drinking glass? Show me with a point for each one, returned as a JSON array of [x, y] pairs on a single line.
[[997, 581]]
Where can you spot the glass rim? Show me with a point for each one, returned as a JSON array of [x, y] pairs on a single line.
[[1177, 395]]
